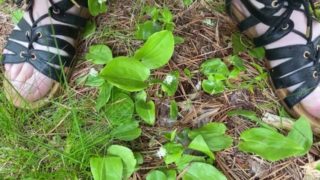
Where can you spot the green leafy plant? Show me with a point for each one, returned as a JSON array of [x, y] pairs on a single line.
[[119, 164], [273, 146], [160, 19], [218, 74], [203, 142], [97, 7]]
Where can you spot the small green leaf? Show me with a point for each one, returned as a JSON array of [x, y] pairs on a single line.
[[203, 171], [173, 152], [99, 54], [97, 7], [213, 86], [119, 109], [89, 29], [269, 144], [174, 110], [199, 144], [17, 15], [215, 67], [146, 29], [170, 83], [104, 95], [128, 131], [157, 51], [127, 157], [178, 40], [156, 175], [106, 168], [126, 73], [187, 2], [258, 53], [237, 44], [167, 16], [147, 112]]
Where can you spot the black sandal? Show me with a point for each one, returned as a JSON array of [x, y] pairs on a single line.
[[295, 70], [50, 64]]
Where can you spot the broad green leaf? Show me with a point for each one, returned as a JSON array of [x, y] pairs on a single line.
[[268, 144], [147, 111], [106, 168], [99, 54], [104, 95], [170, 83], [214, 136], [89, 29], [127, 157], [199, 144], [173, 152], [127, 131], [119, 109], [156, 175], [203, 171], [301, 133], [97, 7], [126, 73], [157, 51], [186, 159], [174, 110], [146, 29]]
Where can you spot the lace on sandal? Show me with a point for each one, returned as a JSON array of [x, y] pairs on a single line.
[[48, 63], [303, 67]]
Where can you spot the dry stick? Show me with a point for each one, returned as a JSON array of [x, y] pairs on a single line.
[[282, 122]]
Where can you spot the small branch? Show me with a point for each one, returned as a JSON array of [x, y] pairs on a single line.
[[282, 122]]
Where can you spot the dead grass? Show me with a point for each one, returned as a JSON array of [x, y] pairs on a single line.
[[202, 42]]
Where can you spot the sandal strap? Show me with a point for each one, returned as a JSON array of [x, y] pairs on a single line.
[[48, 63], [301, 62]]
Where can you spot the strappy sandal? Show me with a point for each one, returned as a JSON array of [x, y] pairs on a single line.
[[302, 66], [52, 65]]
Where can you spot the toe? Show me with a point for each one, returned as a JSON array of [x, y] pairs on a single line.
[[27, 84]]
